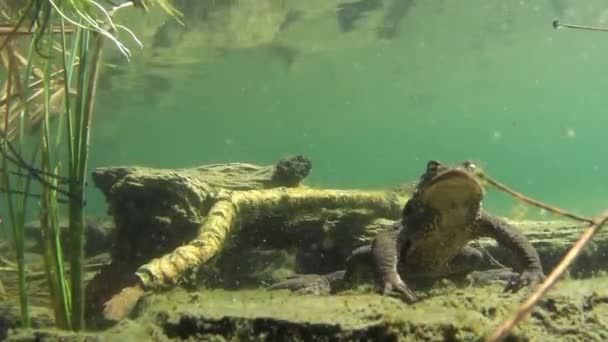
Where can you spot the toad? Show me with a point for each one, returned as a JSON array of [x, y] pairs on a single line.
[[432, 238]]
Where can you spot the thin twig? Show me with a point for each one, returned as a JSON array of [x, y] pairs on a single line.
[[546, 285], [29, 194], [60, 179], [37, 174], [534, 202], [15, 30], [557, 24], [559, 270]]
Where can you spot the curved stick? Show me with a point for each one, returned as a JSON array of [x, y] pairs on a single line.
[[525, 199], [557, 272]]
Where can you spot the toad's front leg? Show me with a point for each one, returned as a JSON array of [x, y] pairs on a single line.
[[511, 238], [386, 251]]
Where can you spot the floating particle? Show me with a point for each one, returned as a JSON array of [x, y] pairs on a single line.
[[519, 211], [496, 135], [569, 133]]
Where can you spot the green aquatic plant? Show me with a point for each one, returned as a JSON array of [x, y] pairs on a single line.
[[64, 40], [16, 207]]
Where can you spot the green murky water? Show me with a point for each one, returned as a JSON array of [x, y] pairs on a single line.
[[486, 80]]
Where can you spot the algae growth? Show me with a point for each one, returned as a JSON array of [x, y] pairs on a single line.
[[576, 310]]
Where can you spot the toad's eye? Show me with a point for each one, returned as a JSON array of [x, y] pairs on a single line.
[[470, 165], [432, 166]]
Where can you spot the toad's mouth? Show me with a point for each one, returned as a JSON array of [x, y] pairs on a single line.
[[452, 189]]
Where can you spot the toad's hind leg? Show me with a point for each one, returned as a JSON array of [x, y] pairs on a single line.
[[319, 284], [312, 284]]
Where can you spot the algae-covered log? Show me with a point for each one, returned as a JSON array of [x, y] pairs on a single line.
[[170, 223], [186, 215], [183, 217], [236, 207], [166, 206], [288, 172]]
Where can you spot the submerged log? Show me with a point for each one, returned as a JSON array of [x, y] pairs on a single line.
[[236, 207], [185, 216], [287, 172], [167, 206], [189, 213], [170, 223]]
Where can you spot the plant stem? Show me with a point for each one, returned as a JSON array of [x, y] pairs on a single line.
[[53, 255], [16, 214], [76, 216], [79, 167]]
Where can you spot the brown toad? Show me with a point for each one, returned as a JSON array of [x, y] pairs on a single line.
[[432, 238]]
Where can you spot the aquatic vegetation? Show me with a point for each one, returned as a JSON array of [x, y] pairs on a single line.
[[64, 42]]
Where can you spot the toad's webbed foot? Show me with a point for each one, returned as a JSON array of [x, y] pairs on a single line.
[[385, 252], [315, 284], [395, 283], [528, 278]]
